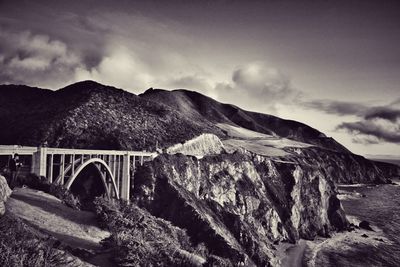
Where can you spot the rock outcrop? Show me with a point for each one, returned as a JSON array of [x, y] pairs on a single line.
[[240, 205], [5, 192], [204, 144]]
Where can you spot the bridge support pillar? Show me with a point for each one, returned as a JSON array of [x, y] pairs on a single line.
[[126, 179], [39, 162]]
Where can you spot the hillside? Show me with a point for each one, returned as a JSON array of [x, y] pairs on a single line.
[[232, 188], [91, 115], [202, 108]]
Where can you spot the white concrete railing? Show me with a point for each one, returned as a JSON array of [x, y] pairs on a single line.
[[28, 150]]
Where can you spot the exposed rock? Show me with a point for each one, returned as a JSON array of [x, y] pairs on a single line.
[[5, 192], [202, 145], [344, 168], [240, 205], [365, 225]]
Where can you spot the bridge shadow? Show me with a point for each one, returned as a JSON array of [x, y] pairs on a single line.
[[56, 207]]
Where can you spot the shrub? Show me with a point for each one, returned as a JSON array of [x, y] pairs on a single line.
[[141, 239], [40, 183], [65, 196]]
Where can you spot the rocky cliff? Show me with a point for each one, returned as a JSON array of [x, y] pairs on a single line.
[[240, 205], [345, 168]]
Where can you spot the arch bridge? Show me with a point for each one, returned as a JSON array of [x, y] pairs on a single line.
[[63, 166]]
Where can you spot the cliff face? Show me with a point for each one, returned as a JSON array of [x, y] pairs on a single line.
[[240, 205], [346, 168]]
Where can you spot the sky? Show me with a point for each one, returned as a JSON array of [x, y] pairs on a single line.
[[334, 65]]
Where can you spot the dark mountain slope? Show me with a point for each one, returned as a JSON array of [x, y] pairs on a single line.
[[90, 115], [201, 107]]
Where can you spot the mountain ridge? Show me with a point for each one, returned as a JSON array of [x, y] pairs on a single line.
[[90, 115]]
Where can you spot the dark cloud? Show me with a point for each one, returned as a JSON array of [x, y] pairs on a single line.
[[382, 130], [386, 113], [376, 123], [337, 107]]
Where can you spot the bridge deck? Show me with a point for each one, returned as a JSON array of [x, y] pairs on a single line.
[[27, 150]]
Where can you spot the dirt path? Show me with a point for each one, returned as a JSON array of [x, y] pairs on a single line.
[[75, 228]]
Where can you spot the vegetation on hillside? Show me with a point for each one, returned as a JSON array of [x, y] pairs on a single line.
[[90, 115], [140, 239], [41, 183]]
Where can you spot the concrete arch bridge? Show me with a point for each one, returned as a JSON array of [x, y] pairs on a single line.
[[65, 166]]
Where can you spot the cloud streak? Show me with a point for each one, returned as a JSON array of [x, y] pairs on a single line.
[[375, 124], [373, 130], [337, 107]]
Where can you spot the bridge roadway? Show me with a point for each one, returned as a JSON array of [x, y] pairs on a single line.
[[62, 165]]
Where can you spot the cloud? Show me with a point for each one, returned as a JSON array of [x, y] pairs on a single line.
[[35, 59], [385, 113], [336, 107], [375, 124], [198, 82], [257, 86], [121, 68], [373, 129]]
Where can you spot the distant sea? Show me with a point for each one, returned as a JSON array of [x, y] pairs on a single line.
[[393, 161], [381, 208]]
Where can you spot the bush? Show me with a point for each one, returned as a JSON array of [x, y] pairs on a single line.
[[141, 239], [65, 196], [35, 182], [40, 183]]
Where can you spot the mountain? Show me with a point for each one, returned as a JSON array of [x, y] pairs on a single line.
[[255, 180], [202, 108], [91, 115]]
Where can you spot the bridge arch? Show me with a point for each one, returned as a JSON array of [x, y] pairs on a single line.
[[95, 161]]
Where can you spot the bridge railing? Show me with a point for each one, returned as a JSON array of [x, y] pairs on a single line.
[[43, 163]]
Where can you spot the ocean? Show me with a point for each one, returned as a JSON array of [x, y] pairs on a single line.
[[380, 206]]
